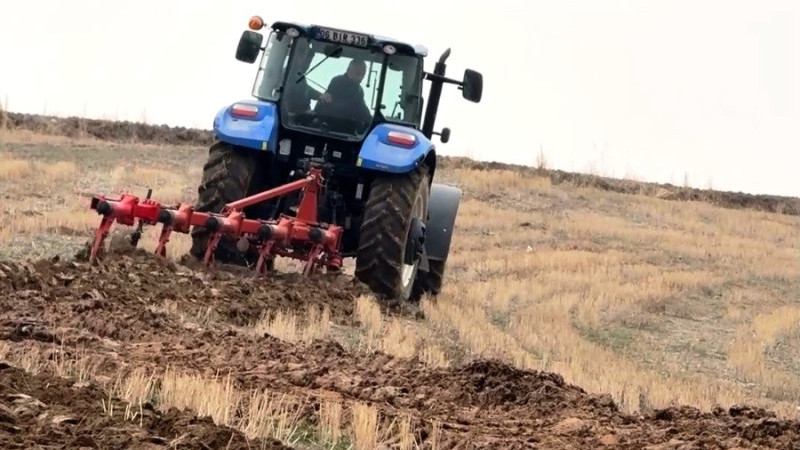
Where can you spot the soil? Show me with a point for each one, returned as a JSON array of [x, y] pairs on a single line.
[[40, 411], [134, 311], [112, 311]]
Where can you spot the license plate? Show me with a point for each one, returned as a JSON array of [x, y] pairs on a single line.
[[342, 37]]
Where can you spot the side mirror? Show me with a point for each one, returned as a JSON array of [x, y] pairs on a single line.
[[472, 88], [444, 136], [249, 46]]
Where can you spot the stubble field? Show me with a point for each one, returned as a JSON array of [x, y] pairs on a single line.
[[578, 313]]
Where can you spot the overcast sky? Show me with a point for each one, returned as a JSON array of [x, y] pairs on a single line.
[[652, 89]]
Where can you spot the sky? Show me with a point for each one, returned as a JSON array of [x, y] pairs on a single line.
[[663, 91]]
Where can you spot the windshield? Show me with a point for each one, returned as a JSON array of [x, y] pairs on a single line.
[[333, 89]]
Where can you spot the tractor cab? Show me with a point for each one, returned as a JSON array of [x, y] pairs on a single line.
[[340, 84]]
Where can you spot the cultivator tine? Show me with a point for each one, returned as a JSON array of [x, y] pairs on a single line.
[[179, 220], [265, 258], [100, 237], [311, 262], [163, 239], [213, 241], [124, 210], [219, 226], [267, 236], [138, 233]]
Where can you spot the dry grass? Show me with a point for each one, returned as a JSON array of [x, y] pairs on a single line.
[[365, 426], [369, 314], [399, 339], [655, 302], [13, 169], [615, 293], [284, 325], [69, 216], [257, 413], [331, 419]]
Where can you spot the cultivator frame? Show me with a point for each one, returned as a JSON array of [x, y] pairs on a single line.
[[301, 237]]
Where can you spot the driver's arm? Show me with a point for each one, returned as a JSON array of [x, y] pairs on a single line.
[[335, 87]]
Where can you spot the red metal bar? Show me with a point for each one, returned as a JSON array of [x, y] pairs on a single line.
[[182, 218], [307, 211], [126, 209], [269, 194]]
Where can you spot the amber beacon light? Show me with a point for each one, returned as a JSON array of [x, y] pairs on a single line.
[[256, 23]]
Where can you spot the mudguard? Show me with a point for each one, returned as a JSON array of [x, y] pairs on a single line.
[[379, 153], [442, 211], [259, 132]]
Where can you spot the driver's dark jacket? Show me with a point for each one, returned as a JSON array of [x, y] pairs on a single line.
[[347, 100]]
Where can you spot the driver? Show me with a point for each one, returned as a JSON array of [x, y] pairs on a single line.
[[347, 95]]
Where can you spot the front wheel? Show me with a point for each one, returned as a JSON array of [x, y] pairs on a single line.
[[392, 233]]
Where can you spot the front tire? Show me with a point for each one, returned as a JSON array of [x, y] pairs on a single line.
[[394, 201]]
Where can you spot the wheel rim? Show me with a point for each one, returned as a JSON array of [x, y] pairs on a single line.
[[409, 271], [408, 274]]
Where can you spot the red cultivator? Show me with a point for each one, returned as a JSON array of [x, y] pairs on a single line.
[[300, 237]]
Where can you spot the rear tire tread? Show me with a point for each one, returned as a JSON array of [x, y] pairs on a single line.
[[227, 176], [384, 228]]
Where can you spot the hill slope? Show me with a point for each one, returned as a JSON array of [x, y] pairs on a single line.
[[556, 281]]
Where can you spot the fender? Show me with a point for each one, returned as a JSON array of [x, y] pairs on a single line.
[[442, 210], [393, 148], [251, 124]]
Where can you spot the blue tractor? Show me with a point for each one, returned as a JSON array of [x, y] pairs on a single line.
[[353, 104]]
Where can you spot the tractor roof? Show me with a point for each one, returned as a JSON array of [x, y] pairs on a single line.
[[403, 47]]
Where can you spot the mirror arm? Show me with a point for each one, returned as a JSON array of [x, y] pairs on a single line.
[[434, 77]]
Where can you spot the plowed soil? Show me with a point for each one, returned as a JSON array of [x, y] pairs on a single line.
[[112, 312]]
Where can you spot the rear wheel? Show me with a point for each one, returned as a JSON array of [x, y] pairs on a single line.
[[390, 240], [228, 175]]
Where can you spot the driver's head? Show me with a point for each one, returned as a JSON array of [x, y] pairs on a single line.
[[356, 70]]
